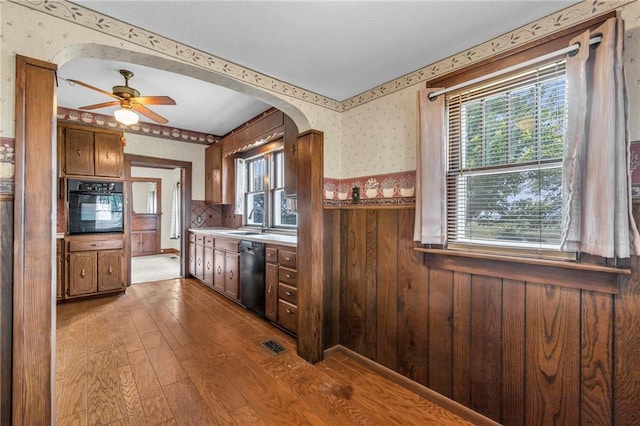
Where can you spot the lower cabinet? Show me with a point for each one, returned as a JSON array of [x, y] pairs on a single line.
[[93, 266], [281, 291], [215, 262], [59, 268]]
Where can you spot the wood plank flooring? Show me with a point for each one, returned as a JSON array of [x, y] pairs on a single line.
[[176, 353]]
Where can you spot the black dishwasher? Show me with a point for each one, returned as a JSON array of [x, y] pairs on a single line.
[[252, 276]]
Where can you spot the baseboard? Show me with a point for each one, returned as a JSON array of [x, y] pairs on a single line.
[[433, 396], [170, 251]]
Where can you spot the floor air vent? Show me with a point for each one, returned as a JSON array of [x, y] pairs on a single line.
[[274, 347]]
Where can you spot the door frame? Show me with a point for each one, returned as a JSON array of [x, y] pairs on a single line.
[[186, 167]]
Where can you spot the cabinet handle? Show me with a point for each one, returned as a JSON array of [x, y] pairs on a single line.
[[110, 271], [96, 244], [230, 275], [79, 152], [288, 275], [289, 311], [293, 150], [106, 154], [82, 273], [269, 290], [287, 258], [199, 261], [208, 265], [288, 293], [219, 270]]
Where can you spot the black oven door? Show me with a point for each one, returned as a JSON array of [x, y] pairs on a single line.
[[95, 212]]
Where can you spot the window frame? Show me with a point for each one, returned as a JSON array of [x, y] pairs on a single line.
[[511, 57], [269, 153]]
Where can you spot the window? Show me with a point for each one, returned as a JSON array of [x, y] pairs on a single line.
[[265, 199], [504, 175]]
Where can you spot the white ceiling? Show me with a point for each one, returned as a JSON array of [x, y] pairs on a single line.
[[337, 49]]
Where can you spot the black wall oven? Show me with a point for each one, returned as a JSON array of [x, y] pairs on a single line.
[[94, 206]]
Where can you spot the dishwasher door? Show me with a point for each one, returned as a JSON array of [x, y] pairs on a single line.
[[252, 266]]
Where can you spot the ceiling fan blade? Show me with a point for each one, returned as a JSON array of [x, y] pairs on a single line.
[[88, 86], [147, 112], [102, 105], [153, 100]]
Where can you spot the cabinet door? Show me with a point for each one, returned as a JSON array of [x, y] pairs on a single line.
[[199, 261], [83, 273], [232, 265], [59, 268], [136, 244], [192, 259], [108, 155], [213, 174], [208, 265], [78, 152], [219, 270], [271, 292], [110, 270], [149, 242], [290, 157]]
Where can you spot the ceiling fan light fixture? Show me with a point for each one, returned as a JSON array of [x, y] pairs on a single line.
[[126, 116]]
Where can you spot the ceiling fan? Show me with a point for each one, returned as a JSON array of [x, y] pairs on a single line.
[[129, 100]]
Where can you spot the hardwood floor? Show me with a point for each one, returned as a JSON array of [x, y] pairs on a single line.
[[176, 353]]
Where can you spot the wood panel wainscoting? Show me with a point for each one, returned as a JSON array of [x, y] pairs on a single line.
[[174, 352], [508, 345]]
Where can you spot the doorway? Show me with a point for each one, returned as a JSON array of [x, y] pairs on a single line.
[[155, 224], [157, 217]]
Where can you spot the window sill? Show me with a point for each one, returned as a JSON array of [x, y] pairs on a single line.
[[581, 276]]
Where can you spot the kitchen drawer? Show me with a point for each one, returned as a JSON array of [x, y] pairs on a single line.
[[227, 244], [287, 258], [287, 276], [271, 255], [288, 315], [86, 245], [288, 293], [192, 237], [208, 240]]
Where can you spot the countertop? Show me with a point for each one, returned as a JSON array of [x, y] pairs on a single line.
[[250, 235]]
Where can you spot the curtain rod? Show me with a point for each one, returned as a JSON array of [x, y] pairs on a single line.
[[551, 55]]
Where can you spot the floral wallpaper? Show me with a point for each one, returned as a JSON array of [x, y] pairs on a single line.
[[370, 135]]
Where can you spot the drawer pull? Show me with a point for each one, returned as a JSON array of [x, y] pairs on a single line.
[[288, 293], [79, 152], [110, 271], [82, 273], [288, 258], [288, 275], [289, 311], [96, 244]]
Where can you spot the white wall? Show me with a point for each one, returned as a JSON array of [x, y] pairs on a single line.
[[165, 148]]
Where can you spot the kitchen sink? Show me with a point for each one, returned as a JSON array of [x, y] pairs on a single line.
[[242, 233]]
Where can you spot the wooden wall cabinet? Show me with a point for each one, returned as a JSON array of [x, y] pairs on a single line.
[[145, 234], [94, 265], [281, 291], [87, 151], [213, 174]]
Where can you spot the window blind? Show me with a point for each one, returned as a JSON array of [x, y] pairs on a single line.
[[504, 177]]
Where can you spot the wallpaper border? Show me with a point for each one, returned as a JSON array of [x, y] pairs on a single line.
[[102, 23]]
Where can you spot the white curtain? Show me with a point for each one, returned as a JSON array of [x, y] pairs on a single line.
[[431, 195], [174, 233], [151, 201], [596, 178]]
